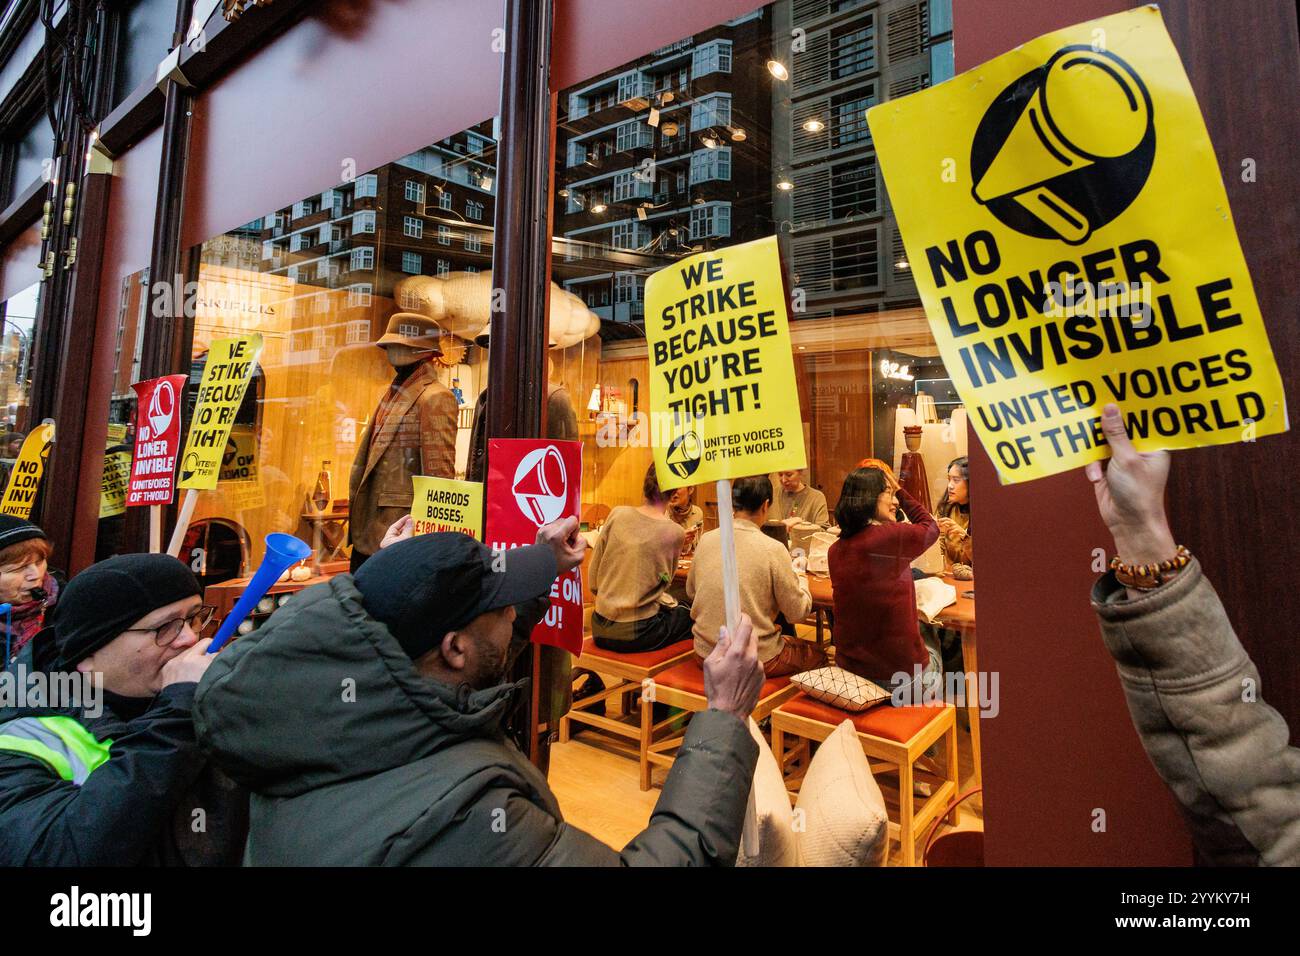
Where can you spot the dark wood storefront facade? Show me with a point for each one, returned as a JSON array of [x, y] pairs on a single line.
[[226, 137]]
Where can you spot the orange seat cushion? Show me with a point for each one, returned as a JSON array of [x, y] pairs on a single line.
[[899, 724], [688, 676], [645, 659]]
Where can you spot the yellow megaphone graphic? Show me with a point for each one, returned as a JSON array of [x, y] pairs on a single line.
[[1089, 105]]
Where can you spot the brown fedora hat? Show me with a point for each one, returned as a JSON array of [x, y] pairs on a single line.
[[411, 328]]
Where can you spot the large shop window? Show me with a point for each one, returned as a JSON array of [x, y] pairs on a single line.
[[744, 134], [17, 336], [369, 297]]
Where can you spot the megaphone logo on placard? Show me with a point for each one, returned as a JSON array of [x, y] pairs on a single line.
[[683, 455], [541, 486], [162, 407], [1067, 147]]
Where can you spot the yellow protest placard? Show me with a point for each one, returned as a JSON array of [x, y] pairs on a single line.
[[112, 487], [1069, 232], [229, 368], [444, 504], [116, 433], [25, 478], [239, 460], [723, 402]]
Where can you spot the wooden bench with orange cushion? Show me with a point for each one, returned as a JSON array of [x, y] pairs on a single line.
[[632, 674], [682, 685], [896, 737]]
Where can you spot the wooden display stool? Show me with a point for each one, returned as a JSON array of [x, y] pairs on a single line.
[[895, 739], [683, 686], [631, 672]]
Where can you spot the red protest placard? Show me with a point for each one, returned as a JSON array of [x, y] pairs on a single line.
[[157, 440], [532, 482]]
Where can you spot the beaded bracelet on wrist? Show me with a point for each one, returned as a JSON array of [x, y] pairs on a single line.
[[1148, 577]]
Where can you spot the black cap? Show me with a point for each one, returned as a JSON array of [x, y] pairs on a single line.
[[425, 586], [14, 530], [105, 599]]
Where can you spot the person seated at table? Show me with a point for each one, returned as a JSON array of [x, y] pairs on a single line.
[[769, 586], [876, 632], [795, 501], [631, 568], [953, 514], [687, 514]]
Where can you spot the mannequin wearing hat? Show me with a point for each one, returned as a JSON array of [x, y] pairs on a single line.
[[412, 432]]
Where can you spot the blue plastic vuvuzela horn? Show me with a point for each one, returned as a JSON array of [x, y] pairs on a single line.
[[282, 550]]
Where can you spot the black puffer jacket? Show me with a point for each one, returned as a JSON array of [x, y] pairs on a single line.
[[355, 759], [127, 786]]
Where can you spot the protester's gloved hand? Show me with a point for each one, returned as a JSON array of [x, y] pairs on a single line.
[[399, 530], [1131, 495], [733, 677], [189, 665], [563, 538]]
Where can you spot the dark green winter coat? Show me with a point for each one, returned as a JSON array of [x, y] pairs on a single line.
[[355, 759]]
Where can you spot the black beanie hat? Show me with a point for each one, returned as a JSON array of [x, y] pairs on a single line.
[[430, 584], [105, 599], [13, 530]]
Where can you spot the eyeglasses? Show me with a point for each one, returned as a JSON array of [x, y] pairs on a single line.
[[165, 634]]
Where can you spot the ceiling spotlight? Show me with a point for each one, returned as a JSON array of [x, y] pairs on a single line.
[[814, 125], [599, 207], [777, 69], [785, 185]]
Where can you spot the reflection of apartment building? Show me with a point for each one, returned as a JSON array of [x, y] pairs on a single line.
[[659, 159], [843, 246], [429, 213]]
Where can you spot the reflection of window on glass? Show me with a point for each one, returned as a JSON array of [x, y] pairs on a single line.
[[854, 49], [630, 185], [412, 227], [473, 210], [359, 295], [853, 188], [713, 219], [363, 222], [358, 331], [855, 259], [367, 186], [444, 235], [473, 243], [713, 110], [629, 235], [444, 267], [850, 112], [415, 191], [709, 164], [444, 199], [363, 258], [412, 262], [632, 134], [712, 57]]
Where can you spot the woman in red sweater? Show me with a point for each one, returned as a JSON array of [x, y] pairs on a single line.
[[876, 633]]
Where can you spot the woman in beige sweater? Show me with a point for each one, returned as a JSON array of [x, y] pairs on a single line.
[[631, 569]]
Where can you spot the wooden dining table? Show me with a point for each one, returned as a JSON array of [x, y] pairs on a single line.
[[959, 616]]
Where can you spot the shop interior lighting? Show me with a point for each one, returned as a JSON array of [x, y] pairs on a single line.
[[814, 125], [784, 185], [669, 128], [738, 135], [902, 265], [777, 69], [711, 140], [599, 208]]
